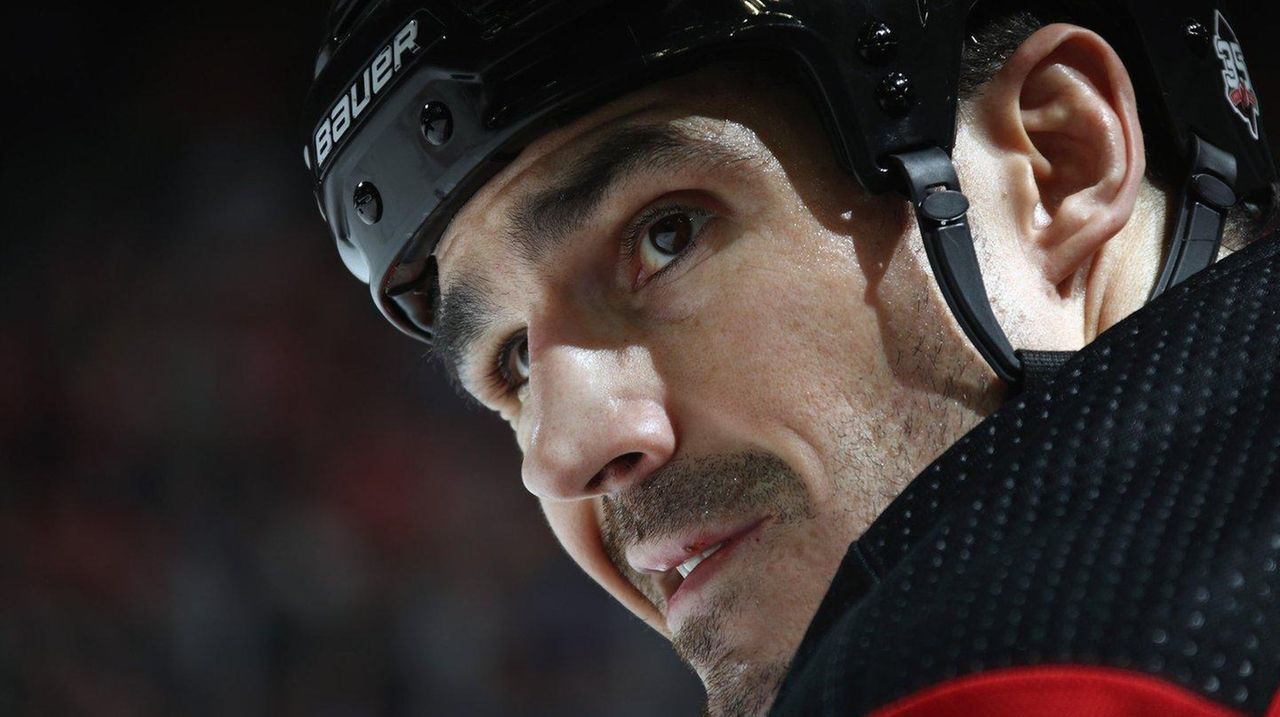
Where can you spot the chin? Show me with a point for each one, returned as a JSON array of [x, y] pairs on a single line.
[[742, 645], [743, 688]]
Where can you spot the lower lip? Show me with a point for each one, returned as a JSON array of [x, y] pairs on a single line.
[[686, 595]]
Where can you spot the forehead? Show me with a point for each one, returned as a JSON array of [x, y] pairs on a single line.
[[560, 181], [715, 92]]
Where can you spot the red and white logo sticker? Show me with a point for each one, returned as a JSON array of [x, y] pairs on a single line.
[[1235, 74]]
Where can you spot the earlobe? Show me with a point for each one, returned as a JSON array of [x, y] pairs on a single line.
[[1065, 117]]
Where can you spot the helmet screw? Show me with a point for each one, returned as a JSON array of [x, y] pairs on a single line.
[[877, 44], [895, 95], [1197, 37], [368, 203], [437, 123]]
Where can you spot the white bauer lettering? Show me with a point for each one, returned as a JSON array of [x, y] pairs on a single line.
[[341, 118], [376, 76], [323, 142], [357, 104], [381, 69], [406, 39]]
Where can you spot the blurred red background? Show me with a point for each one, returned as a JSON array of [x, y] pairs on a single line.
[[228, 487]]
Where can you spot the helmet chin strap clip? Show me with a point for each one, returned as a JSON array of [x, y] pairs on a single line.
[[928, 178], [1207, 195]]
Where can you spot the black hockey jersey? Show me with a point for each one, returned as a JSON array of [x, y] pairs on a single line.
[[1105, 546]]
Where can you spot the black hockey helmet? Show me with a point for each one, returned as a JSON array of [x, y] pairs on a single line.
[[417, 103]]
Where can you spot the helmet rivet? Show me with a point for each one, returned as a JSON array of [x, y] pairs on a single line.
[[895, 95], [1197, 37], [945, 206], [876, 44], [437, 123], [368, 203]]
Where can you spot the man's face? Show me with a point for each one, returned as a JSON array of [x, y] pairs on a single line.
[[704, 334]]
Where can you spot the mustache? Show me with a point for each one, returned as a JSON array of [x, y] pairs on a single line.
[[699, 491], [696, 491]]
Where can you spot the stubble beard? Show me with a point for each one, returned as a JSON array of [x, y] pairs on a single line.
[[697, 492], [734, 686]]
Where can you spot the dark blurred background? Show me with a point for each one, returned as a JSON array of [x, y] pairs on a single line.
[[228, 487]]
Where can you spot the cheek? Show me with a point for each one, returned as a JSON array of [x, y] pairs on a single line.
[[784, 276], [774, 339]]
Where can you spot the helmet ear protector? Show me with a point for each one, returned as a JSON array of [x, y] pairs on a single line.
[[415, 105]]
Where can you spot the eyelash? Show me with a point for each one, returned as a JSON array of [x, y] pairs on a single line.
[[501, 379]]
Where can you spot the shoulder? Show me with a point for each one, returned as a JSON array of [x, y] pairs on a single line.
[[1115, 534]]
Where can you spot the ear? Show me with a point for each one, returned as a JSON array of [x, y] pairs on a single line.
[[1064, 119]]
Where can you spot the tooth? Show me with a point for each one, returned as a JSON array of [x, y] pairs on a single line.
[[687, 566]]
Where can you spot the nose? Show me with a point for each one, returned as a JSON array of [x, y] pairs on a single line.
[[596, 422]]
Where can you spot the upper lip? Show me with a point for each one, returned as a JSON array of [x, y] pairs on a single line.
[[662, 556]]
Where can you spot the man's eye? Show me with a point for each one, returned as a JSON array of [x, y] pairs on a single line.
[[667, 237], [513, 363], [670, 234]]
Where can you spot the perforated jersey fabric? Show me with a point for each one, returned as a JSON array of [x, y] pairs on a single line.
[[1126, 516]]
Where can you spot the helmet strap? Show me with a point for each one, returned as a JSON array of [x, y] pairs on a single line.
[[928, 179], [1207, 195]]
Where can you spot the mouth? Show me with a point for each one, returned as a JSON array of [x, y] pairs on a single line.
[[681, 566]]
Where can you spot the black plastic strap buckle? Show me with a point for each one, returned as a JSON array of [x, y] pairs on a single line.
[[929, 180], [1208, 193], [1039, 367]]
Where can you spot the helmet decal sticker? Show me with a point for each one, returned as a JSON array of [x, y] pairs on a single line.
[[1235, 74]]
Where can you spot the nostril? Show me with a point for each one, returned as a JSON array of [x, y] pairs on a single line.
[[623, 464], [617, 468]]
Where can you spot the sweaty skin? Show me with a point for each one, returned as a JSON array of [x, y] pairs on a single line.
[[776, 381]]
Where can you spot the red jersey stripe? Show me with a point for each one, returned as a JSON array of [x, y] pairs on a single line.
[[1059, 691]]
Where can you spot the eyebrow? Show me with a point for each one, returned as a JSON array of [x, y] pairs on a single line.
[[465, 313], [541, 222]]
